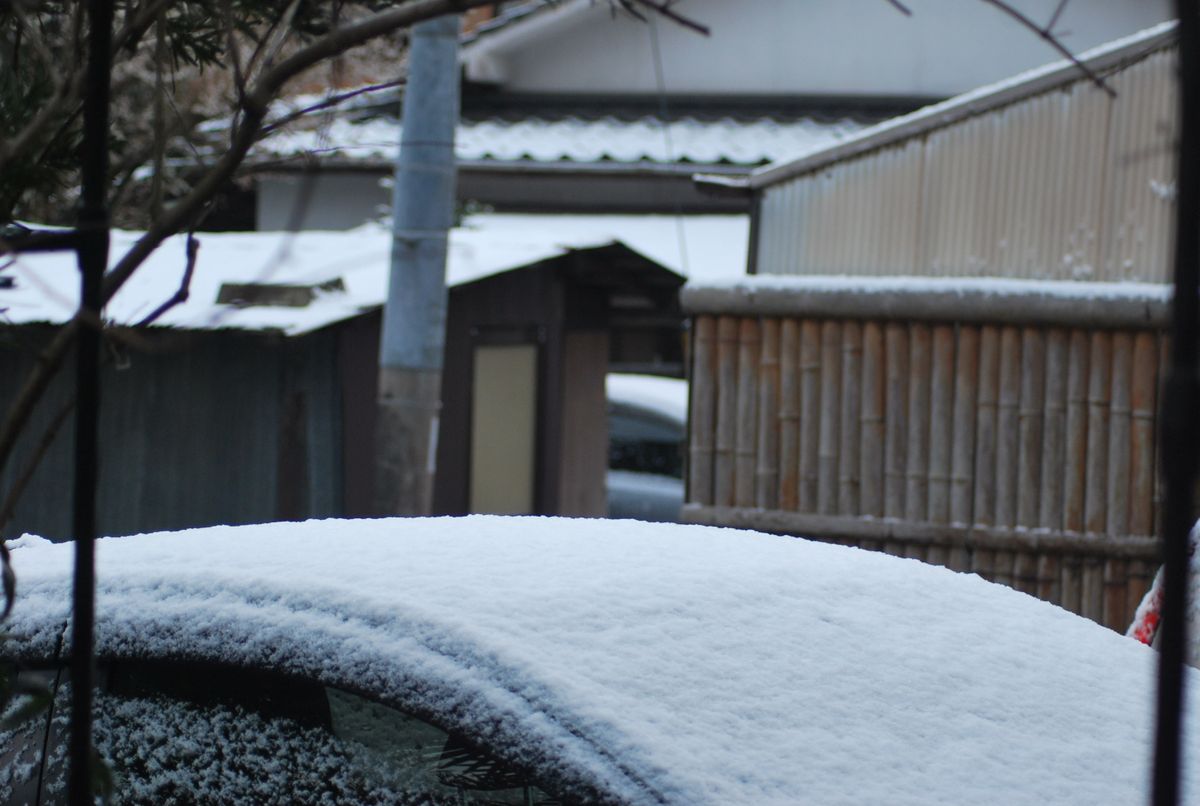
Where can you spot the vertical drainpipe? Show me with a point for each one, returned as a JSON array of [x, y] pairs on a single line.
[[414, 317]]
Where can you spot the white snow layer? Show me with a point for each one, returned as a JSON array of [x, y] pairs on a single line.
[[891, 285], [666, 396], [574, 139], [46, 285], [693, 664]]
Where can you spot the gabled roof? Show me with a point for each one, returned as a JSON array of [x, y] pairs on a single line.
[[310, 280]]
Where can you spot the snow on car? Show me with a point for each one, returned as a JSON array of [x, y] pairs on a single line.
[[546, 660], [647, 422]]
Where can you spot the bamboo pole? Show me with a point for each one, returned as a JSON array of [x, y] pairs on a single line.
[[958, 557], [1075, 464], [766, 486], [966, 382], [1164, 364], [827, 468], [1025, 572], [941, 423], [704, 410], [1099, 388], [985, 427], [916, 494], [1008, 427], [1092, 594], [916, 551], [1049, 576], [789, 415], [849, 444], [1054, 428], [749, 340], [1139, 575], [810, 413], [873, 436], [727, 354], [895, 451], [1120, 440], [1141, 459], [1002, 568], [1116, 594], [1072, 583], [1031, 426]]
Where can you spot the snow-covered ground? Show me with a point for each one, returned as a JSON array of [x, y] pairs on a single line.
[[683, 663]]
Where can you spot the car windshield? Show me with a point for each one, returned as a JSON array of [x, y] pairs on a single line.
[[175, 732]]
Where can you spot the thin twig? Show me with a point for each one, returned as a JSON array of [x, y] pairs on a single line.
[[663, 8], [181, 295], [903, 9], [327, 103], [1054, 42]]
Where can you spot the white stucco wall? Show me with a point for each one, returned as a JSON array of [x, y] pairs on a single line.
[[794, 47]]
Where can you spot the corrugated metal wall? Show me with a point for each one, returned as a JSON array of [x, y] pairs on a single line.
[[1066, 184], [191, 433]]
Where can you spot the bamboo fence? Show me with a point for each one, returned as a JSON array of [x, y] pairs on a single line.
[[1018, 443]]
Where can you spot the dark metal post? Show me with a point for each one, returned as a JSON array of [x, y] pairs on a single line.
[[1179, 419], [93, 258]]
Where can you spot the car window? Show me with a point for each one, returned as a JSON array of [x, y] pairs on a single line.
[[644, 443], [200, 733]]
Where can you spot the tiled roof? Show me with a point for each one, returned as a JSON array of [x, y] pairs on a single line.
[[607, 139]]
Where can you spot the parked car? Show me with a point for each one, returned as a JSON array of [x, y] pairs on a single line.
[[544, 660], [647, 426]]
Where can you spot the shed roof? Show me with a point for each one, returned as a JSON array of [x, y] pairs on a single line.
[[1099, 60], [326, 277]]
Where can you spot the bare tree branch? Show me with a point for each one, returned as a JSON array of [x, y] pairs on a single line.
[[181, 295], [1048, 35], [664, 8], [903, 9], [328, 102]]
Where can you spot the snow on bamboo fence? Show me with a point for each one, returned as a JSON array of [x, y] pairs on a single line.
[[1001, 427]]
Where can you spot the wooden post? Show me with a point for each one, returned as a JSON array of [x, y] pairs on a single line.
[[1141, 460], [747, 412], [966, 381], [1008, 427], [789, 415], [727, 355], [941, 423], [985, 426], [1075, 464], [873, 436], [1099, 387], [766, 487], [848, 450], [1054, 427], [827, 470], [916, 495], [1119, 435], [704, 410], [810, 413], [1033, 401], [896, 428]]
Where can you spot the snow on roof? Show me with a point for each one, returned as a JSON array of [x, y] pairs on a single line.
[[660, 662], [1023, 85], [347, 271], [578, 140], [666, 396]]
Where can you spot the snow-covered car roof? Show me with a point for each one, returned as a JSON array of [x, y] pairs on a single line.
[[652, 663], [667, 397]]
